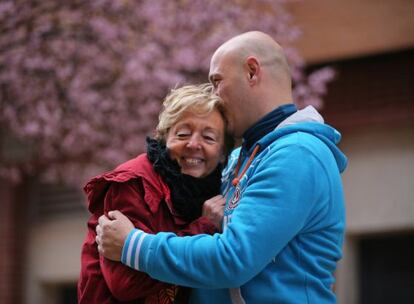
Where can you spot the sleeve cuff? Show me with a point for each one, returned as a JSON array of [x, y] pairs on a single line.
[[132, 248]]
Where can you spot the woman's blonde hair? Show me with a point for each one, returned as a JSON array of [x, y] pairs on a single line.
[[198, 99]]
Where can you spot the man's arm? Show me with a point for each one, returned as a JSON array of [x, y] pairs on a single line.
[[274, 208]]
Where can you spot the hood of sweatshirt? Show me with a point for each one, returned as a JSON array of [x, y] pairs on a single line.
[[308, 120]]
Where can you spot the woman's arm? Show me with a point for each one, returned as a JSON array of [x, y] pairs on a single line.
[[128, 284], [124, 283]]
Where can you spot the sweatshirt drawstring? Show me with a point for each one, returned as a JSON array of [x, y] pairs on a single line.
[[237, 179]]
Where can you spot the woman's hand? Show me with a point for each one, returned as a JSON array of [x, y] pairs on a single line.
[[111, 233], [213, 209]]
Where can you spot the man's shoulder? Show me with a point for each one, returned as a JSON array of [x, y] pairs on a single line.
[[295, 140]]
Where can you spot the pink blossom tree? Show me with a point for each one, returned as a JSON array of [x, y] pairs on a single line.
[[81, 82]]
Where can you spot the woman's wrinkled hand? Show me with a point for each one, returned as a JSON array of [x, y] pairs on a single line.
[[213, 209]]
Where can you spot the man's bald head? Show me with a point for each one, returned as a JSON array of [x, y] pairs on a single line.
[[260, 45], [251, 75]]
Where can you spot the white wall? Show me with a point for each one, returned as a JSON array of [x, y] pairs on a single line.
[[379, 190], [379, 182], [53, 256]]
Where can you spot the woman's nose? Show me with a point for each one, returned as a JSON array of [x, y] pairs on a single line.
[[194, 142]]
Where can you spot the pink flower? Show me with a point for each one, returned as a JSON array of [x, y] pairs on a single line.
[[83, 83]]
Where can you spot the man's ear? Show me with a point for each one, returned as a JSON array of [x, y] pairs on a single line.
[[253, 69]]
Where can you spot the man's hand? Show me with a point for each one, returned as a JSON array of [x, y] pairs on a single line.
[[111, 234], [213, 209]]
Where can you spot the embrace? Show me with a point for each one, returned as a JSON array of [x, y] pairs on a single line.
[[195, 220]]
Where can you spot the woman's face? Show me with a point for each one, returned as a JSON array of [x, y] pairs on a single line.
[[197, 143]]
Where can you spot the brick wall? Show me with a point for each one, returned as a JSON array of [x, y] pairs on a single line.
[[372, 91], [6, 239], [12, 248]]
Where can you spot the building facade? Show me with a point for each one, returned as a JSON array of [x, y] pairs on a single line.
[[371, 46]]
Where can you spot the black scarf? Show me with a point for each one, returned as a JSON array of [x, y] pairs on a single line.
[[188, 193], [267, 124]]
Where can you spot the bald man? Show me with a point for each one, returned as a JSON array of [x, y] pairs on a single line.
[[284, 217]]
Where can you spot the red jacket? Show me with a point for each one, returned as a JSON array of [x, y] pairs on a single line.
[[136, 190]]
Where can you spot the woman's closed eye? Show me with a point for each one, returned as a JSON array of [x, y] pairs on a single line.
[[210, 137], [183, 133]]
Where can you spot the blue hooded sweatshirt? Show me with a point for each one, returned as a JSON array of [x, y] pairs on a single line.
[[283, 225]]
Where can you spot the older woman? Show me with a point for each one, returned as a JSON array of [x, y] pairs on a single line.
[[162, 190]]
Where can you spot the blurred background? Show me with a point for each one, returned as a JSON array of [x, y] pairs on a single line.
[[81, 83]]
